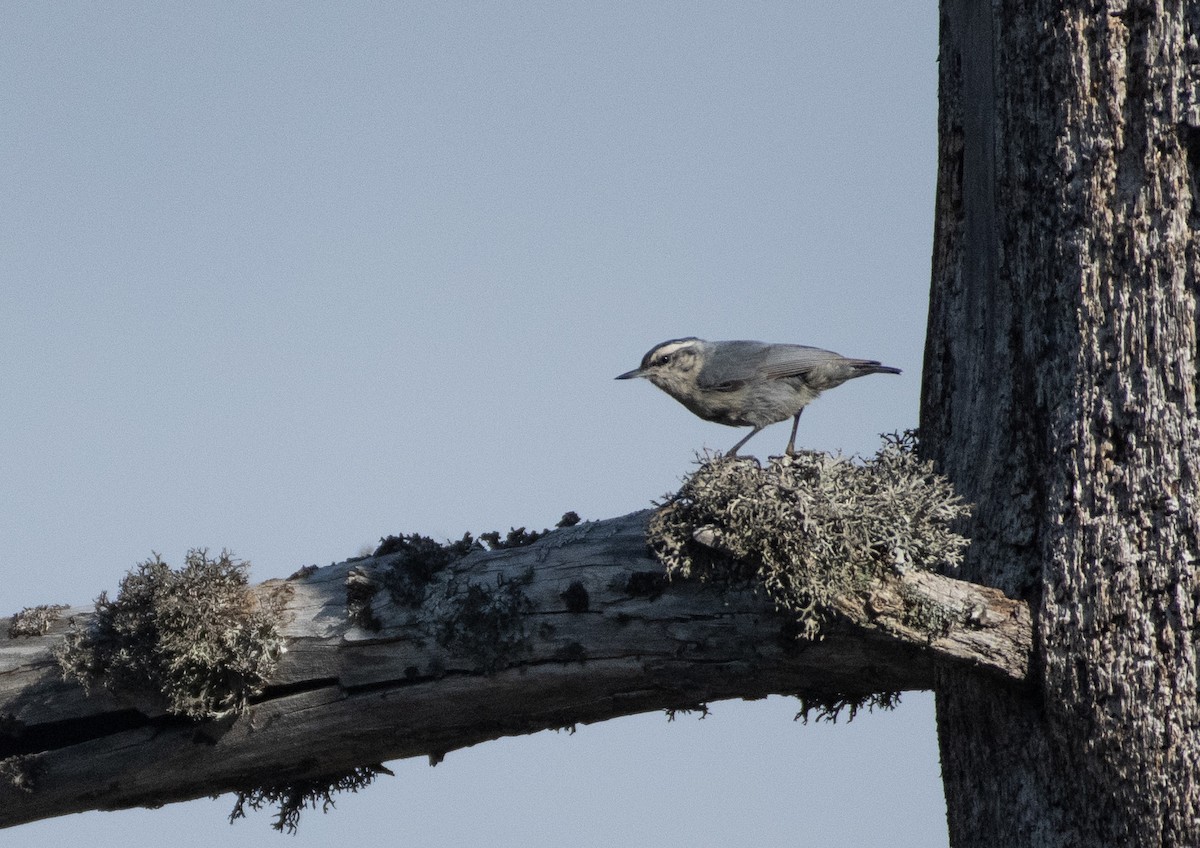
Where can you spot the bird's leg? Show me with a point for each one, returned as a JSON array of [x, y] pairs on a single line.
[[791, 448], [733, 451]]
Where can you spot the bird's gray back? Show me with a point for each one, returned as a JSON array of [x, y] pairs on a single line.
[[739, 361]]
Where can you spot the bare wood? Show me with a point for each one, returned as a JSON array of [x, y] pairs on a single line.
[[344, 695], [964, 624]]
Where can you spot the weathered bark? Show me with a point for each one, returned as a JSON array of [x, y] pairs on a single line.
[[601, 635], [1060, 397]]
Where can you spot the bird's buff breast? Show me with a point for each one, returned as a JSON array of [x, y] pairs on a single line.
[[750, 407]]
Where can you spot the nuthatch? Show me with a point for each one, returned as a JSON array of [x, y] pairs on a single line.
[[748, 384]]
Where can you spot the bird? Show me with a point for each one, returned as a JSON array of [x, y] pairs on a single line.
[[748, 383]]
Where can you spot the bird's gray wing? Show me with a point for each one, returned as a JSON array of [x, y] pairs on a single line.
[[796, 361], [739, 362]]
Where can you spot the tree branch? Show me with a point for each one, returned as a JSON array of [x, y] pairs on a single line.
[[577, 628]]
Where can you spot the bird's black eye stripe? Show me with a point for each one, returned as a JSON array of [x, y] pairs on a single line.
[[663, 360]]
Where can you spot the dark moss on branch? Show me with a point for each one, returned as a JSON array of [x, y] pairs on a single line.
[[572, 652], [518, 537], [576, 598], [360, 590], [831, 707], [646, 584], [418, 559], [18, 773], [700, 710], [487, 624], [292, 798]]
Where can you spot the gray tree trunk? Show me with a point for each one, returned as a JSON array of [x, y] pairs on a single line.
[[1060, 397]]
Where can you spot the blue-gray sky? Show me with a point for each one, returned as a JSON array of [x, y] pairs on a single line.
[[286, 278]]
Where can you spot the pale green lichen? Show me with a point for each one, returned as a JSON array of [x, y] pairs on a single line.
[[809, 528], [198, 640]]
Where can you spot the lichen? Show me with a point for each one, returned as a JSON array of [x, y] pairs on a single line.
[[487, 624], [292, 798], [572, 652], [360, 591], [34, 621], [19, 773], [644, 584], [518, 537], [830, 707], [701, 710], [810, 527], [926, 615], [576, 597], [417, 560], [196, 640]]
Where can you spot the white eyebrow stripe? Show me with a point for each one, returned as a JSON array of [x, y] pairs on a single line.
[[669, 348]]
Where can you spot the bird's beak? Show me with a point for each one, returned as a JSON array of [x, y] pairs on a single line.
[[629, 375]]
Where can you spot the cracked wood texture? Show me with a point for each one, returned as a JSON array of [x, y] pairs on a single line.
[[1060, 398], [604, 636]]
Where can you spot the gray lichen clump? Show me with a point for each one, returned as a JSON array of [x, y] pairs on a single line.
[[197, 640], [810, 527], [34, 621]]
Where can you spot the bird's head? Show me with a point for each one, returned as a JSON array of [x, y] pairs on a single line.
[[671, 365]]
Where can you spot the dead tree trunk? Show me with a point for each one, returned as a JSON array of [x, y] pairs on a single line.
[[579, 627], [1060, 397]]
